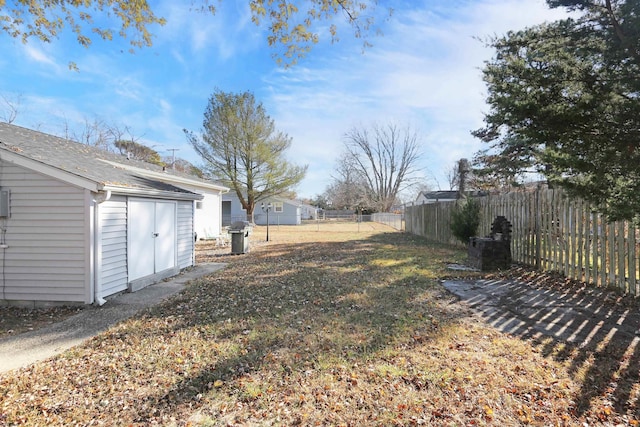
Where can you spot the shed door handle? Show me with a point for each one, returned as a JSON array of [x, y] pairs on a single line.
[[155, 234]]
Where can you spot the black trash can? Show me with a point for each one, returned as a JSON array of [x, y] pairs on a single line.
[[240, 231]]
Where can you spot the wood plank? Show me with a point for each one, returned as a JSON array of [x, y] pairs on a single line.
[[595, 255], [633, 268], [572, 250], [610, 254], [622, 257], [553, 230], [562, 235], [538, 227], [580, 239]]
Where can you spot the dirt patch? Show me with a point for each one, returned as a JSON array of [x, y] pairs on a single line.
[[15, 320]]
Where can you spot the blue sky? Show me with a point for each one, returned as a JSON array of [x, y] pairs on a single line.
[[424, 72]]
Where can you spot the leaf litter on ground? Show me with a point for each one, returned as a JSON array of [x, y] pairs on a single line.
[[317, 327]]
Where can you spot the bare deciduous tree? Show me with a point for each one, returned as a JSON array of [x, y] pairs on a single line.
[[99, 133], [94, 132], [453, 176], [10, 108], [347, 190], [121, 133], [386, 158]]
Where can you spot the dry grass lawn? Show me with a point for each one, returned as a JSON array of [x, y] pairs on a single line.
[[331, 324]]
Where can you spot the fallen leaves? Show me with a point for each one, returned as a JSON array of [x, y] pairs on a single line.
[[338, 332]]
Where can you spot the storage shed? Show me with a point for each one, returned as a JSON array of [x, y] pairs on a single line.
[[208, 211], [78, 224]]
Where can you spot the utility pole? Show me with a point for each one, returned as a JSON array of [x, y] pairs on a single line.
[[173, 157], [463, 171]]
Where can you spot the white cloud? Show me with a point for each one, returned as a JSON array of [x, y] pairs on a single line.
[[37, 55], [45, 56], [228, 33], [424, 71]]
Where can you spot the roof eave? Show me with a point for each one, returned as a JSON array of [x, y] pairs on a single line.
[[167, 177], [156, 194]]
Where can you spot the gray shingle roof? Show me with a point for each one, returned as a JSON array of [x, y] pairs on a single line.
[[447, 194], [82, 160]]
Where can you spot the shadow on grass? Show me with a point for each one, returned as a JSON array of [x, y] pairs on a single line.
[[298, 306], [294, 315], [591, 330]]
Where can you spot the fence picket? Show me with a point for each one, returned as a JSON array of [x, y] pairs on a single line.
[[632, 261], [550, 232], [581, 242], [562, 236], [551, 248], [610, 254], [621, 256], [595, 245]]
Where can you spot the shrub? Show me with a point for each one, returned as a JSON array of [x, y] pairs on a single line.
[[465, 220]]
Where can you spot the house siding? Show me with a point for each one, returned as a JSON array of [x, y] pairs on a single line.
[[186, 244], [236, 211], [208, 220], [113, 228], [71, 224], [290, 215], [45, 233]]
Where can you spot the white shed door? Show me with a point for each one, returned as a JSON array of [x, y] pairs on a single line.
[[152, 237], [165, 239]]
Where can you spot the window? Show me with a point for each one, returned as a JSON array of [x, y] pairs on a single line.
[[278, 207]]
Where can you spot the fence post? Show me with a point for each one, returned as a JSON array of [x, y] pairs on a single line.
[[632, 260], [593, 254], [538, 220]]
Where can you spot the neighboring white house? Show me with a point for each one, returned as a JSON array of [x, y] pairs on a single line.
[[78, 224], [282, 212], [308, 212], [425, 197]]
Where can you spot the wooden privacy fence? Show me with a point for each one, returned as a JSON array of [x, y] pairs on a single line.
[[550, 232]]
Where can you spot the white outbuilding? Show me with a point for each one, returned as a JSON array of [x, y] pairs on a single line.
[[78, 224]]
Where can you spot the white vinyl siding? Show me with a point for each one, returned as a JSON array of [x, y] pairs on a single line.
[[207, 219], [186, 244], [46, 234], [50, 232], [113, 222]]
